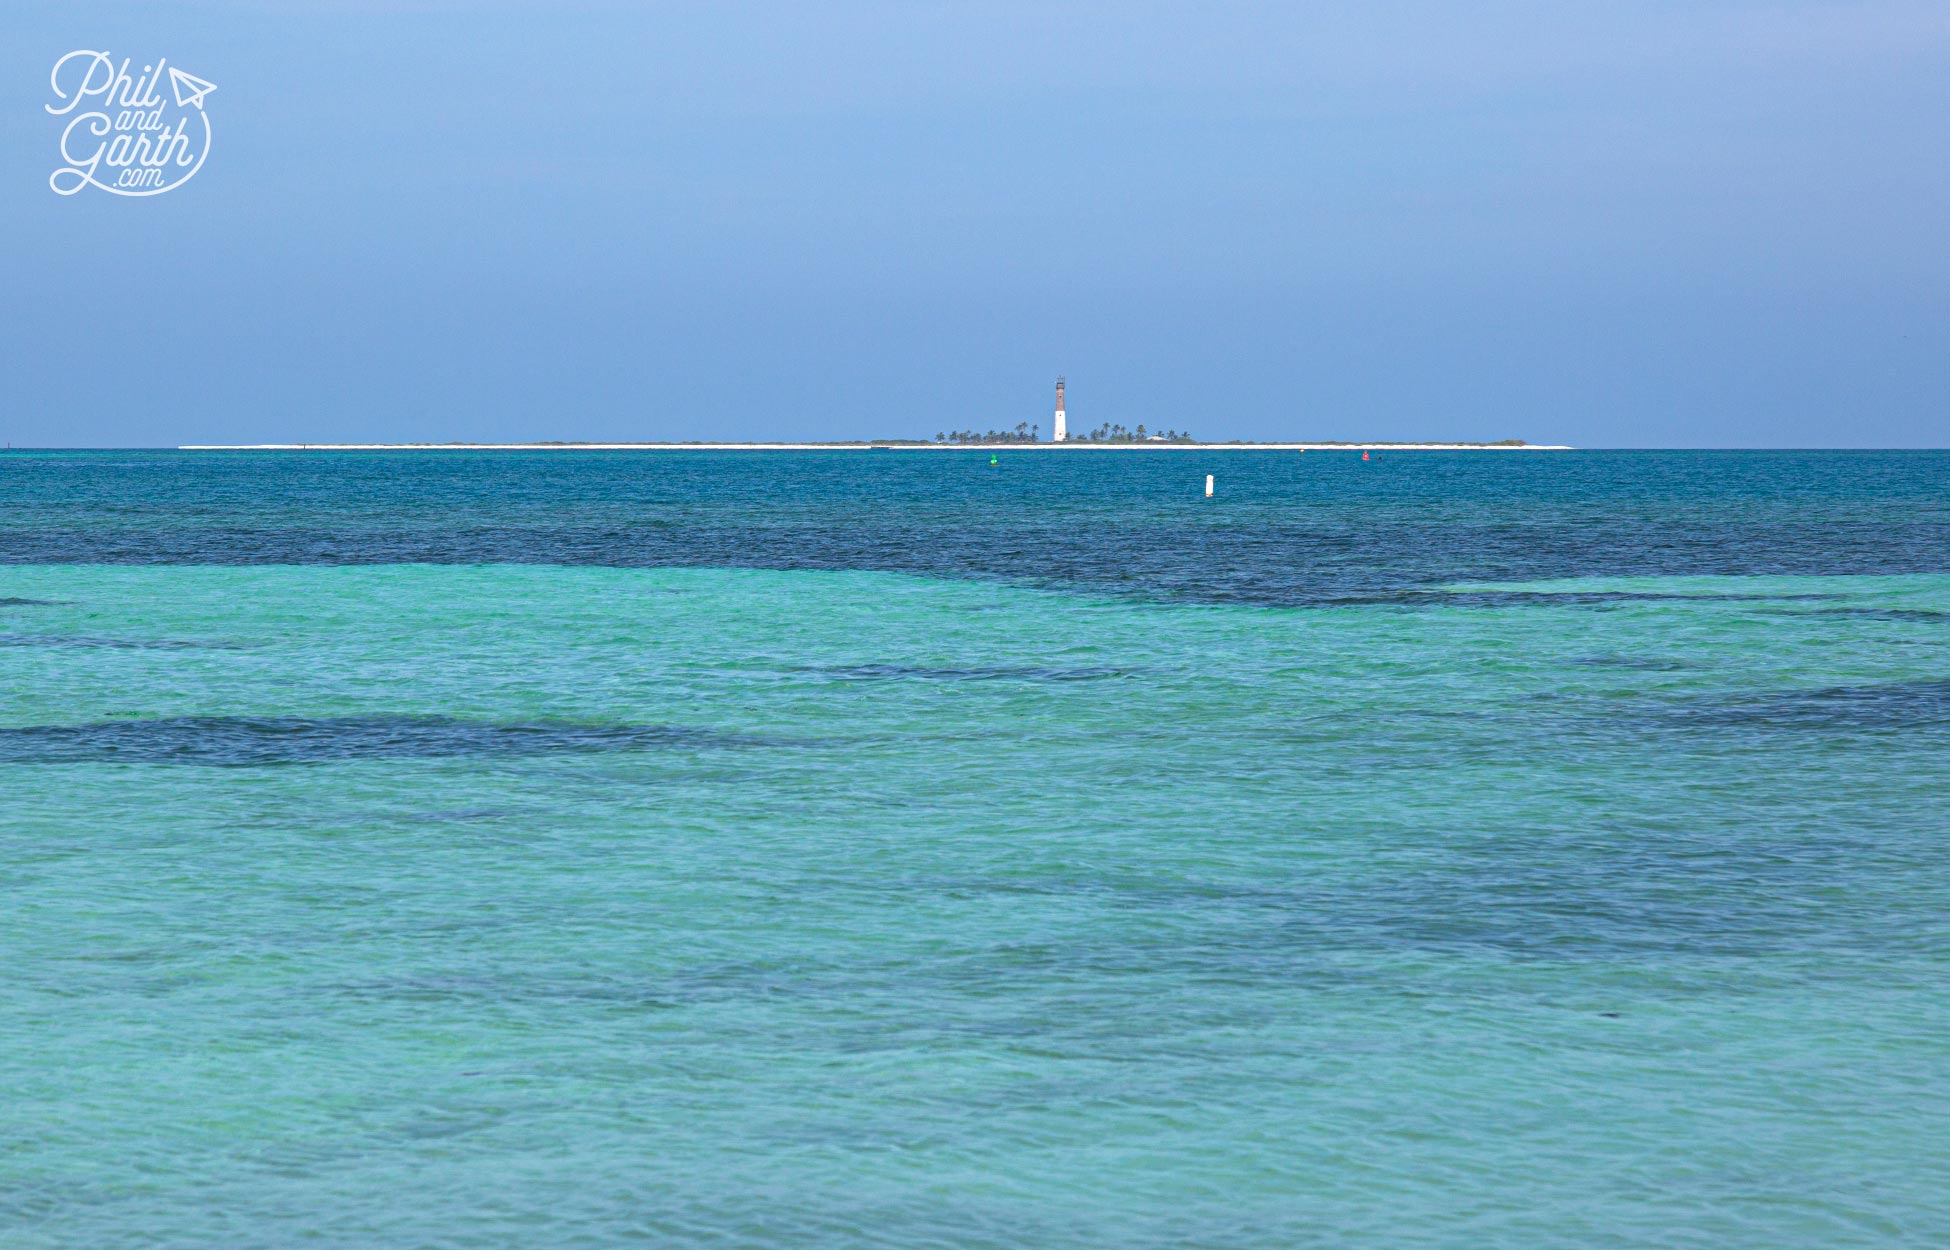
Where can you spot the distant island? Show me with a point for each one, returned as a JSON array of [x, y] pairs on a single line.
[[1109, 436], [963, 441]]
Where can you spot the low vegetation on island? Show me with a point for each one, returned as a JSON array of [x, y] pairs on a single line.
[[1027, 433], [1113, 433], [1023, 433]]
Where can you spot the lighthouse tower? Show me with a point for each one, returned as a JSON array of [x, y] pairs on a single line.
[[1058, 432]]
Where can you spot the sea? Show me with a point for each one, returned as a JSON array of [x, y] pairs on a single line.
[[835, 849]]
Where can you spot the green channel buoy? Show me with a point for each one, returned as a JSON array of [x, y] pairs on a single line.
[[992, 461]]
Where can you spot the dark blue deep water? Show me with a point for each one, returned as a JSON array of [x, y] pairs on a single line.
[[1285, 527]]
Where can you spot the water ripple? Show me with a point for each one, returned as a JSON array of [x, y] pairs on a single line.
[[921, 672], [256, 741], [1890, 705], [98, 643]]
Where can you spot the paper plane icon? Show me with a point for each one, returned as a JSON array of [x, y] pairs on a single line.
[[189, 88]]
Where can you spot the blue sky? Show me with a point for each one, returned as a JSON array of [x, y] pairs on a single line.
[[1612, 224]]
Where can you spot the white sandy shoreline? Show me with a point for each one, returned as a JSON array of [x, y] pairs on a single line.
[[1071, 446]]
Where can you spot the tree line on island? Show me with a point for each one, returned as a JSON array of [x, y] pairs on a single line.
[[1027, 433], [1023, 433]]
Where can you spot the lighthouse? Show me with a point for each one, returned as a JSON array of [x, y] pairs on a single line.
[[1058, 433]]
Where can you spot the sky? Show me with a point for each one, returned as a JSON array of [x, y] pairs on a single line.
[[1615, 223]]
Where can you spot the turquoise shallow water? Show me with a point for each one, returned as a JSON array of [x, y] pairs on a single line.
[[482, 904]]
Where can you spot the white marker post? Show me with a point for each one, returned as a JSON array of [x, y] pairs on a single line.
[[1208, 486]]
